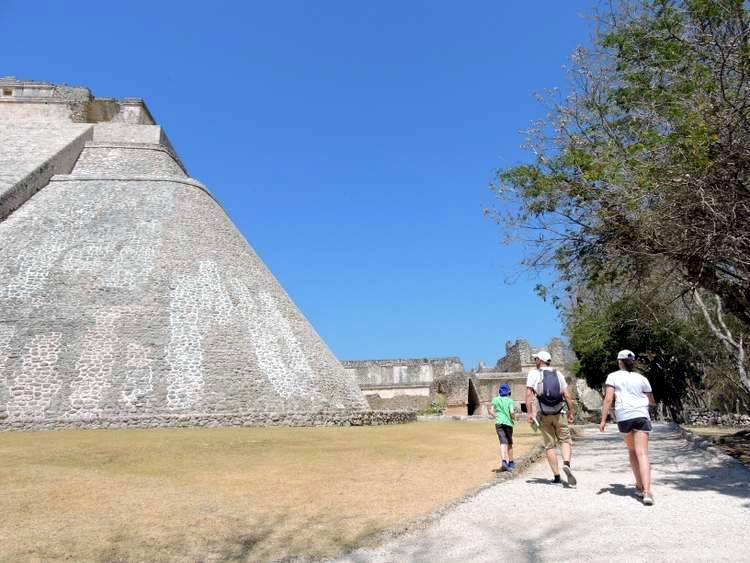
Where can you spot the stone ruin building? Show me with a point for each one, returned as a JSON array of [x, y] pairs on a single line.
[[511, 369], [471, 393], [127, 296], [402, 383], [414, 383]]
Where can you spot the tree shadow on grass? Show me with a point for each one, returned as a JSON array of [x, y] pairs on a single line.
[[244, 546], [266, 542], [234, 540]]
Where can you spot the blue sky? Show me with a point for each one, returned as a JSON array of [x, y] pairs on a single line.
[[351, 142]]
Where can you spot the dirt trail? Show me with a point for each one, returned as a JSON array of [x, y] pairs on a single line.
[[702, 512]]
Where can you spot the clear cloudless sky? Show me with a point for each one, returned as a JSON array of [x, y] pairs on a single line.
[[351, 142]]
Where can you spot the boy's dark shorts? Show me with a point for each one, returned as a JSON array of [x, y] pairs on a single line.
[[504, 433], [641, 424]]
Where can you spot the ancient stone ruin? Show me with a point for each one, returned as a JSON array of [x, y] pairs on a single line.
[[512, 370], [415, 382], [401, 383], [127, 296]]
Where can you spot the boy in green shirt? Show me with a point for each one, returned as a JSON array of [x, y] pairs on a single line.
[[503, 407]]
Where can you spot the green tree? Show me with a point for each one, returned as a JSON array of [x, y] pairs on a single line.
[[643, 170], [666, 343]]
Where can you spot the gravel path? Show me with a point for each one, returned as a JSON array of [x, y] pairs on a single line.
[[702, 512]]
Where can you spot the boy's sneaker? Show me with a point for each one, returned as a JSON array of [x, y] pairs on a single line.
[[648, 500], [557, 480], [506, 467], [572, 481], [512, 465]]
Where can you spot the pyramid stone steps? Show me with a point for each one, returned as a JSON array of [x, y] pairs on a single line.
[[31, 155]]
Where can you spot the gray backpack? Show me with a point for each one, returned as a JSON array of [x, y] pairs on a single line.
[[551, 398]]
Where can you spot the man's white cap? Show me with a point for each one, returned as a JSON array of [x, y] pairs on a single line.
[[625, 355], [543, 355]]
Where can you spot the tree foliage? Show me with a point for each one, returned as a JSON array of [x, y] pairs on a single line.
[[676, 351], [643, 171]]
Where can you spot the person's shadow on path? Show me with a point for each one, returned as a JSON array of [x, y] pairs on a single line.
[[619, 490], [540, 481]]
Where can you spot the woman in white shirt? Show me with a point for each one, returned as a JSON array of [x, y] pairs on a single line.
[[632, 396]]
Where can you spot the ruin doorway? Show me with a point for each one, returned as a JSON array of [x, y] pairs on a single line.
[[472, 404]]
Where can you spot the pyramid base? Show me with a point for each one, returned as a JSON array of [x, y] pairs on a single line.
[[214, 420]]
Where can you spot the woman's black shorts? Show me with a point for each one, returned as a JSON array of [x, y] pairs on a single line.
[[504, 433], [641, 424]]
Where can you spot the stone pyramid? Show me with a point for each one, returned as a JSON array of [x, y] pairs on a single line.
[[127, 296]]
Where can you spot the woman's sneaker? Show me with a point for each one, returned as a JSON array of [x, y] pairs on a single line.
[[648, 499]]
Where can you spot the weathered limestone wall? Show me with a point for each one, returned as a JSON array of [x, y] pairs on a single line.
[[588, 399], [401, 383], [518, 355], [123, 158], [127, 306], [487, 386], [455, 388], [419, 372], [412, 403], [128, 297]]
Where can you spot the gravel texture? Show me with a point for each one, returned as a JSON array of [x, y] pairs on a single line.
[[701, 513]]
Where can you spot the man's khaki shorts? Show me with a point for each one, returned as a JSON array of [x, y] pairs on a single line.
[[555, 430]]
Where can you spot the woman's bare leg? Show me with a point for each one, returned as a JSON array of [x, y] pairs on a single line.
[[630, 442], [641, 451]]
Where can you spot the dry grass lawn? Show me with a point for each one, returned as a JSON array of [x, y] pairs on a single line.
[[230, 494], [711, 431], [732, 440]]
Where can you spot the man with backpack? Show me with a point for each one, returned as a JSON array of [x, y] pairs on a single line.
[[551, 391]]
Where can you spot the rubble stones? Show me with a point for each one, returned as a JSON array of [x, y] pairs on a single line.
[[322, 418], [704, 417]]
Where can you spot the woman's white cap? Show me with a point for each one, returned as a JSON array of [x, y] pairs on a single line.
[[543, 355], [625, 355]]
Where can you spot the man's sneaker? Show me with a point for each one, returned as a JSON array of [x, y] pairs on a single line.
[[572, 481], [506, 467], [648, 500]]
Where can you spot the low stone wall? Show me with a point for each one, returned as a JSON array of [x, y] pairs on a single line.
[[400, 402], [706, 417], [322, 418]]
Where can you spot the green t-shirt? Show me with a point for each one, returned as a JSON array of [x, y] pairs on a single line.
[[504, 406]]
